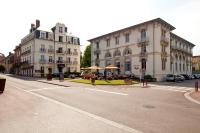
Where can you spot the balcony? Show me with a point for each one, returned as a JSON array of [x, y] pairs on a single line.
[[26, 52], [50, 50], [75, 62], [24, 62], [50, 61], [97, 51], [69, 63], [143, 41], [69, 53], [164, 41], [60, 61], [59, 51], [42, 50], [42, 61]]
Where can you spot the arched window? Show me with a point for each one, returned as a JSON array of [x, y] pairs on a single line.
[[108, 54], [127, 51], [108, 62], [117, 53]]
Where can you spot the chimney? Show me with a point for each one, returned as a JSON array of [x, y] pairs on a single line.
[[37, 23], [32, 25]]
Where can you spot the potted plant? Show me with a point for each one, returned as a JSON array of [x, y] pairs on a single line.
[[2, 84]]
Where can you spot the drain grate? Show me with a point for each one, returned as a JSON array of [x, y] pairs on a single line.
[[149, 106]]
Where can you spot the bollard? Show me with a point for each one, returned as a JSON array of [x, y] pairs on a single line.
[[196, 86]]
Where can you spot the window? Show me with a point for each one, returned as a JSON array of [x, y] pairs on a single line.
[[127, 37], [42, 35], [127, 51], [180, 67], [163, 64], [183, 67], [163, 33], [68, 51], [50, 47], [97, 55], [117, 53], [127, 65], [108, 54], [176, 67], [97, 45], [50, 59], [143, 64], [108, 42], [60, 38], [42, 49], [60, 29], [42, 57], [163, 48], [171, 65], [60, 58], [143, 35], [116, 40]]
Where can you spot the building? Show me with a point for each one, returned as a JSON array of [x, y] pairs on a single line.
[[9, 61], [2, 59], [196, 63], [44, 52], [148, 48], [17, 59]]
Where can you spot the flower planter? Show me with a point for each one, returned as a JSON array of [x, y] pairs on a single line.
[[2, 84], [128, 81], [49, 77]]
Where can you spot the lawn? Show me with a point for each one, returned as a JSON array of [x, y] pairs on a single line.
[[102, 82]]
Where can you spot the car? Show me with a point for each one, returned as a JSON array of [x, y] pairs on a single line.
[[170, 77], [196, 76], [187, 77], [179, 78]]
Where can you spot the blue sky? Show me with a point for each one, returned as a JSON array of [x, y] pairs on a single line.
[[90, 18]]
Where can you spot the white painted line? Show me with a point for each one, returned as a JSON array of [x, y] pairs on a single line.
[[187, 96], [111, 92], [106, 121], [168, 89], [49, 88]]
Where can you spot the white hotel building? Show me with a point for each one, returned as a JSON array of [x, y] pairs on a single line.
[[43, 52], [148, 48]]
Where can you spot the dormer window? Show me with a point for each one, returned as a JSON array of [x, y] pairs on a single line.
[[60, 30]]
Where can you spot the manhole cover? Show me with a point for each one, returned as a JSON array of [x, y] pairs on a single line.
[[148, 106]]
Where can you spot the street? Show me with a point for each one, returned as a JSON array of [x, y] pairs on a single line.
[[28, 106]]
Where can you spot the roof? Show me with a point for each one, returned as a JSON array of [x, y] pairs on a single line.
[[150, 21], [178, 37]]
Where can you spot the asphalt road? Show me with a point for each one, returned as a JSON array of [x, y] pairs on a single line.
[[34, 107]]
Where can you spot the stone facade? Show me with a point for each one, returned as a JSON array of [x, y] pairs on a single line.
[[146, 48], [45, 52]]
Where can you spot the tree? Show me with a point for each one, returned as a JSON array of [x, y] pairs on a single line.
[[2, 68], [86, 59]]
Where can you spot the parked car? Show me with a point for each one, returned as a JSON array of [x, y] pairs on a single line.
[[191, 76], [179, 77], [196, 76], [170, 77], [187, 77]]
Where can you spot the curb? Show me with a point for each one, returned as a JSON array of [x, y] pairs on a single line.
[[187, 96], [53, 83]]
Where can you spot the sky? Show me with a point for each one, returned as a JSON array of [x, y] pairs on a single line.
[[87, 19]]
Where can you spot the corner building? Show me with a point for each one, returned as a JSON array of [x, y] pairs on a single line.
[[148, 48], [44, 52]]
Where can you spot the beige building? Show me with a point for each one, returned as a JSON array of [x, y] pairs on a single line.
[[196, 63], [43, 52], [146, 48]]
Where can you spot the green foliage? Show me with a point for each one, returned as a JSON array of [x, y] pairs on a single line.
[[86, 59], [2, 68]]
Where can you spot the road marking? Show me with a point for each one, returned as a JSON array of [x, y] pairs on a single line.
[[187, 96], [104, 120], [111, 92], [49, 88], [169, 89]]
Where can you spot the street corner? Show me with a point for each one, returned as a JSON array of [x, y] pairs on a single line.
[[193, 96]]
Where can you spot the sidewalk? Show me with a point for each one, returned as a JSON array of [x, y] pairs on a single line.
[[195, 95]]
